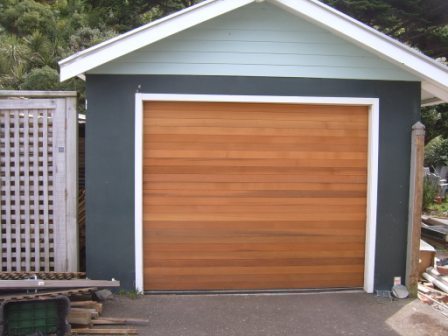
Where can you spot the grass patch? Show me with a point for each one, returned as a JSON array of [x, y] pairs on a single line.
[[440, 210], [131, 294]]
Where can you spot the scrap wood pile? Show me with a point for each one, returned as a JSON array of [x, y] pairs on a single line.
[[85, 318], [83, 298], [433, 289]]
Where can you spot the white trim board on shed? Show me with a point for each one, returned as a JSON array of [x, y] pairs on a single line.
[[434, 76], [372, 174]]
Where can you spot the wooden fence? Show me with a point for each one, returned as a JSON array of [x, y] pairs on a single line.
[[38, 178]]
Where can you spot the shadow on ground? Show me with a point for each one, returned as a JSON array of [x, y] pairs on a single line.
[[280, 314]]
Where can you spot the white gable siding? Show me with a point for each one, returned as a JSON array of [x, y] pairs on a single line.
[[257, 40]]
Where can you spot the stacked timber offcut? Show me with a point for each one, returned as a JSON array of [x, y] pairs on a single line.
[[84, 314], [435, 229], [434, 288], [86, 318]]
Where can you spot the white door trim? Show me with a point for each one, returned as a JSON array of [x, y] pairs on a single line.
[[372, 183]]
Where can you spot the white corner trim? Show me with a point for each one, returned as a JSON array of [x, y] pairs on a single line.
[[372, 195], [138, 196], [372, 183]]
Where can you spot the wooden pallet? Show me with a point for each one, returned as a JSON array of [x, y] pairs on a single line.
[[42, 275], [30, 296]]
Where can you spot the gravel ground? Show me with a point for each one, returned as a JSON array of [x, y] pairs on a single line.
[[279, 314]]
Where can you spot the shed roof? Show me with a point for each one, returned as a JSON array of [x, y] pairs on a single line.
[[433, 75]]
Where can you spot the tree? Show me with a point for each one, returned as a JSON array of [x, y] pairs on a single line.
[[435, 118], [422, 24], [124, 15]]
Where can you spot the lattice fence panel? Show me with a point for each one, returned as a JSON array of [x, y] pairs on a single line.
[[27, 190]]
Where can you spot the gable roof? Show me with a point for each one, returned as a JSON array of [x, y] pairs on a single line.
[[433, 75]]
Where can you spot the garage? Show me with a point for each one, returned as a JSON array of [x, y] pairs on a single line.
[[247, 196], [246, 145]]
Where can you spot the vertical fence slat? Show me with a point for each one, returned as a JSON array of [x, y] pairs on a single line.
[[45, 188], [59, 187], [8, 192], [18, 217], [36, 217], [71, 184], [26, 184]]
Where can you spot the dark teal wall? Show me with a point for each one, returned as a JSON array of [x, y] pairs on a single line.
[[110, 158]]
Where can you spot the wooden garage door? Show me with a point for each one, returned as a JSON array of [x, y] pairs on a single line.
[[254, 196]]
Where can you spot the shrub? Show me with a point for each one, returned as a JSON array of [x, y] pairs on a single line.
[[430, 191], [436, 153]]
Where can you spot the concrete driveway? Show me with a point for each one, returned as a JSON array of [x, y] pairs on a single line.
[[279, 314]]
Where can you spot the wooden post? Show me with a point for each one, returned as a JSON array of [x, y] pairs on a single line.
[[415, 207]]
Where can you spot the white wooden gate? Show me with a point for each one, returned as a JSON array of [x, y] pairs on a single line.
[[38, 176]]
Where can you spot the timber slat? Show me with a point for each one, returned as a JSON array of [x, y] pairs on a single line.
[[79, 317], [89, 305], [87, 331], [118, 321], [36, 284]]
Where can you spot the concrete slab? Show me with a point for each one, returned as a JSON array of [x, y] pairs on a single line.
[[279, 314]]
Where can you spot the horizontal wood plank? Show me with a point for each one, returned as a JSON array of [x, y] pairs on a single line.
[[259, 139], [222, 199], [274, 162]]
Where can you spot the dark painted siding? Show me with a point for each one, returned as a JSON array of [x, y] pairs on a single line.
[[110, 158]]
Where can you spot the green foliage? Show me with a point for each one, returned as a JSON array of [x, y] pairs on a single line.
[[435, 118], [45, 78], [36, 34], [436, 152], [430, 191], [23, 17], [86, 37], [439, 210]]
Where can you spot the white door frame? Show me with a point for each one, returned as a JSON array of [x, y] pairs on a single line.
[[372, 175]]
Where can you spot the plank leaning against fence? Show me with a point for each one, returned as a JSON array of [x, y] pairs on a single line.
[[38, 174]]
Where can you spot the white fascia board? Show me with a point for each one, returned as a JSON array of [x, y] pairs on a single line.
[[368, 38], [140, 37]]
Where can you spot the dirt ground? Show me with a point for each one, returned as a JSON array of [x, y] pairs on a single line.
[[315, 314]]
